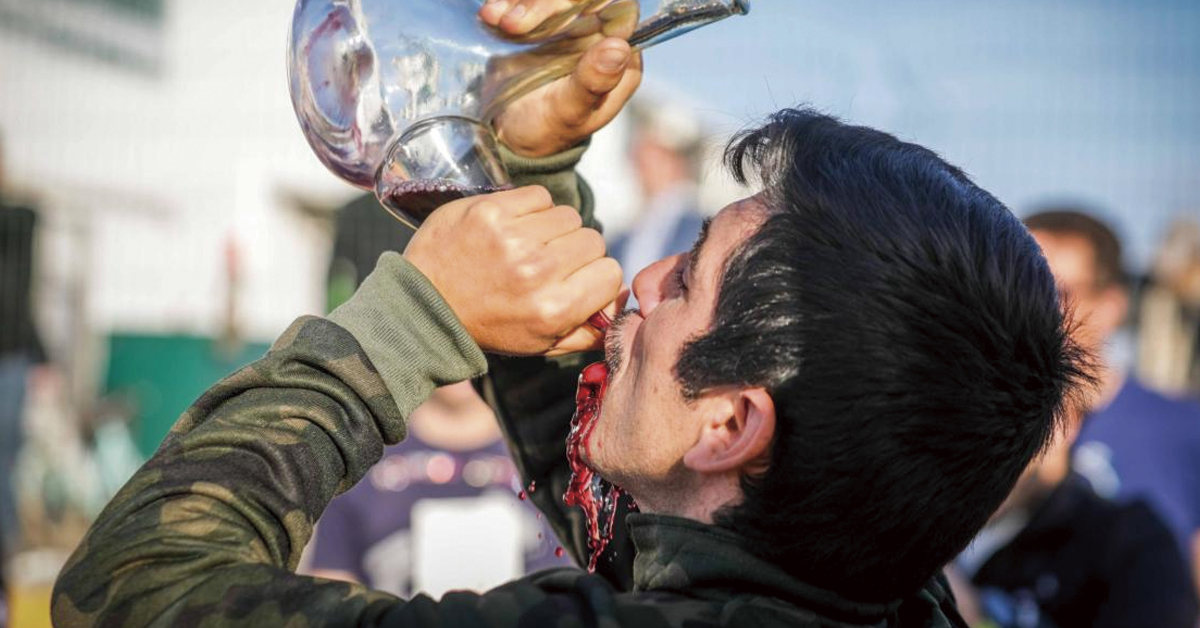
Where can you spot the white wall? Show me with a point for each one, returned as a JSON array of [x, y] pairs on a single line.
[[145, 178], [162, 171]]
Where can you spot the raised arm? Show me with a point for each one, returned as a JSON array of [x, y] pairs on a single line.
[[214, 523]]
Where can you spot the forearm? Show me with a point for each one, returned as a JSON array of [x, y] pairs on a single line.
[[216, 520]]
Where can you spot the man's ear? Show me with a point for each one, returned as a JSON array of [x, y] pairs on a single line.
[[738, 436]]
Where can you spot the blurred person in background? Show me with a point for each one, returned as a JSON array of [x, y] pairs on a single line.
[[448, 490], [1057, 555], [20, 347], [1169, 314], [665, 150], [438, 511], [1134, 442]]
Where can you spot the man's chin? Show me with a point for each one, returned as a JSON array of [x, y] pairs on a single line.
[[603, 472]]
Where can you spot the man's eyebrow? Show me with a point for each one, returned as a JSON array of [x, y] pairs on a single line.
[[694, 255]]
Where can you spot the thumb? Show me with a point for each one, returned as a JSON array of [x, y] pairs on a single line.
[[586, 337], [598, 72]]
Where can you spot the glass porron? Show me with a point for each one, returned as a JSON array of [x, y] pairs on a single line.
[[394, 92]]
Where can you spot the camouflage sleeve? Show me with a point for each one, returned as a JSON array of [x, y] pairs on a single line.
[[209, 530]]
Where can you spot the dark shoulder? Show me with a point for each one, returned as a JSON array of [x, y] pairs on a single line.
[[1138, 523], [1120, 531], [553, 596]]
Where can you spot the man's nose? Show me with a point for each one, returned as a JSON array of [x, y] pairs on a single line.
[[650, 284]]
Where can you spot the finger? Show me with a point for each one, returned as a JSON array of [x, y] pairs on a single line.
[[548, 225], [599, 71], [589, 289], [631, 79], [610, 105], [586, 337], [526, 15], [520, 201], [619, 18], [574, 251], [604, 319], [580, 339], [618, 305], [493, 10]]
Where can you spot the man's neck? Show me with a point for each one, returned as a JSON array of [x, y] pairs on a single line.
[[698, 499]]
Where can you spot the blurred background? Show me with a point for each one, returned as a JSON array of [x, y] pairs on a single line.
[[164, 219]]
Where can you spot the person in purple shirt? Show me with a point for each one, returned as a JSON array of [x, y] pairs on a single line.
[[1135, 443], [442, 510]]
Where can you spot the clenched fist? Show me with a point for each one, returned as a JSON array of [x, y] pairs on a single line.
[[522, 274]]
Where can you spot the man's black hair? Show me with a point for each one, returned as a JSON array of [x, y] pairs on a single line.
[[908, 330], [1080, 222]]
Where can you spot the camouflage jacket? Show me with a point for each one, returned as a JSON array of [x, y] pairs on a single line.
[[209, 531]]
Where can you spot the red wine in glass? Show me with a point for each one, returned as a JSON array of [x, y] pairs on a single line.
[[416, 199]]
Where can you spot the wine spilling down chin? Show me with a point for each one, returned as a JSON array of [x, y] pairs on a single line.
[[417, 199], [597, 497]]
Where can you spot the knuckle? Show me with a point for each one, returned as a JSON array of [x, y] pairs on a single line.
[[527, 272], [540, 195], [571, 217], [488, 212], [550, 313], [611, 270], [594, 241], [518, 252]]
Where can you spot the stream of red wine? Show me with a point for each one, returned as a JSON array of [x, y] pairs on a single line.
[[597, 497]]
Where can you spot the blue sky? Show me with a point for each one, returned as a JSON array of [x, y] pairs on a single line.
[[1095, 101]]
